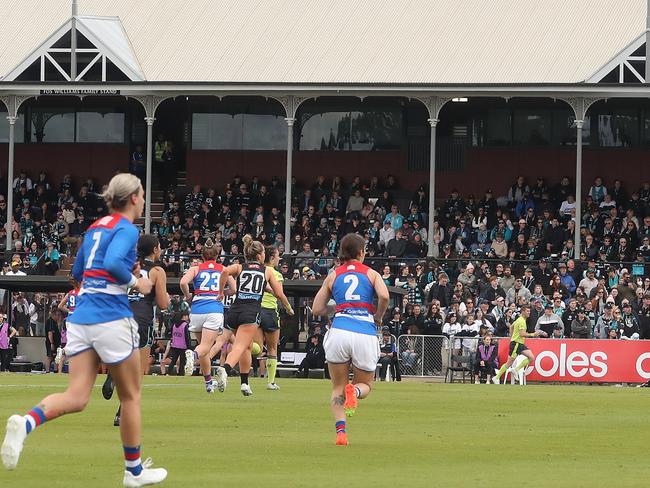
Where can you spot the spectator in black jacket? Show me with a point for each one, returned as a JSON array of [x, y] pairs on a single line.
[[315, 357], [441, 291], [388, 357]]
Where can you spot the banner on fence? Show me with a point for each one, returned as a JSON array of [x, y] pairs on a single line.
[[599, 361]]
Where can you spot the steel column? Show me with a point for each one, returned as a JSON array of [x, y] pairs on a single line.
[[578, 218], [432, 187], [149, 175], [10, 178], [288, 192]]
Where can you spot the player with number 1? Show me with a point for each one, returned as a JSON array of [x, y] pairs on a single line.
[[244, 314]]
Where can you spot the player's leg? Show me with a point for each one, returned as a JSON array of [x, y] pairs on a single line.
[[339, 376], [272, 340], [128, 377], [529, 358], [202, 352], [240, 353], [224, 337], [83, 372]]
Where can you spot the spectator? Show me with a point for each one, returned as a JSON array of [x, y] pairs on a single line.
[[486, 360], [605, 322], [388, 357], [315, 358], [7, 334], [396, 248]]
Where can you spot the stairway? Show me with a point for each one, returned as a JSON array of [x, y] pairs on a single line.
[[158, 197]]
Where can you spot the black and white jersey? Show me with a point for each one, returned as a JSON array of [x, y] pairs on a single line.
[[251, 284]]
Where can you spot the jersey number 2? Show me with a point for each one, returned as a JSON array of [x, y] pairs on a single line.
[[350, 296]]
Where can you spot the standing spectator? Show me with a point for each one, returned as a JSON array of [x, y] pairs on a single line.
[[7, 333]]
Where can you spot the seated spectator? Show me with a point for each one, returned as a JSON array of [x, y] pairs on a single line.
[[486, 360], [396, 248], [409, 352], [388, 357], [315, 358]]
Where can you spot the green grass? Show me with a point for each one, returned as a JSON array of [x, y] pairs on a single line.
[[406, 434]]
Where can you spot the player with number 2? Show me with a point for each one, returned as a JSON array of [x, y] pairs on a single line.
[[352, 338]]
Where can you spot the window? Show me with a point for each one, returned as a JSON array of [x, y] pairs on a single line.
[[51, 124], [239, 131], [532, 127], [618, 129], [350, 126], [19, 130], [100, 127], [498, 127]]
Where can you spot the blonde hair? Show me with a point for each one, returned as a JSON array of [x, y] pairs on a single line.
[[209, 250], [119, 190], [252, 248]]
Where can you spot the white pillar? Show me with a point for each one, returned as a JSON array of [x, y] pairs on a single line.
[[10, 179], [149, 175], [579, 124], [432, 186], [288, 196]]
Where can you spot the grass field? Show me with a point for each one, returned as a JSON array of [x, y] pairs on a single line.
[[406, 434]]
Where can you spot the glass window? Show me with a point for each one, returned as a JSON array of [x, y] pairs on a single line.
[[618, 129], [264, 132], [51, 125], [19, 130], [498, 127], [100, 127], [217, 131], [532, 127], [376, 129], [329, 131]]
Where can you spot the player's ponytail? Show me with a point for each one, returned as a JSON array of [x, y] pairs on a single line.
[[252, 249], [209, 250], [352, 245], [119, 190]]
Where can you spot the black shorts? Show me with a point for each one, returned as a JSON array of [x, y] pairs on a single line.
[[243, 316], [146, 335], [269, 320], [516, 349]]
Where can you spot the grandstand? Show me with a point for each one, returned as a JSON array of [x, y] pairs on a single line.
[[511, 146]]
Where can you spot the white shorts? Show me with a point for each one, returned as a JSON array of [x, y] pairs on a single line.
[[210, 321], [342, 346], [112, 341]]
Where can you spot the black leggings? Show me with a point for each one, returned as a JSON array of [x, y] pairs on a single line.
[[174, 354], [5, 359]]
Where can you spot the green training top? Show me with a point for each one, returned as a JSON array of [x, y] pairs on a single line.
[[518, 326], [269, 300]]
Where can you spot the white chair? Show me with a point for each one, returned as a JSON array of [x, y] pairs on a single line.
[[513, 367]]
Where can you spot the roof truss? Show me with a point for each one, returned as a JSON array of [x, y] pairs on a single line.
[[627, 66], [50, 53]]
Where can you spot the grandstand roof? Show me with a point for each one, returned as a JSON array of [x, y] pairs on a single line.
[[345, 41]]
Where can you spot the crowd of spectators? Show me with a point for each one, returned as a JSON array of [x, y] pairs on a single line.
[[496, 252], [48, 219]]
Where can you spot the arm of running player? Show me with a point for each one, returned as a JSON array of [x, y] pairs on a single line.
[[232, 287], [159, 278], [228, 272], [62, 304], [116, 260], [319, 307], [187, 278], [276, 287], [382, 296], [79, 263]]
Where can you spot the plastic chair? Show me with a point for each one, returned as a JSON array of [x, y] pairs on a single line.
[[514, 366]]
